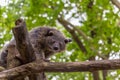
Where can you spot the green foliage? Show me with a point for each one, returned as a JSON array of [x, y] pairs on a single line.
[[98, 20]]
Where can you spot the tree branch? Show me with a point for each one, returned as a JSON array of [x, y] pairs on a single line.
[[24, 46], [78, 30], [116, 3], [35, 67], [74, 35], [23, 42]]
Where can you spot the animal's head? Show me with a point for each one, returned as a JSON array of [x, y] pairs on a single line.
[[55, 41]]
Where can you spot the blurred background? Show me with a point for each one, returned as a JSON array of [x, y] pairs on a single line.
[[94, 26]]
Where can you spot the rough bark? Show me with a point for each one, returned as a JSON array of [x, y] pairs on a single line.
[[104, 73], [41, 66], [23, 43], [24, 51], [24, 46], [95, 75]]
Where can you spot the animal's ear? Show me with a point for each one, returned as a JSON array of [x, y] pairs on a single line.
[[67, 40], [49, 33]]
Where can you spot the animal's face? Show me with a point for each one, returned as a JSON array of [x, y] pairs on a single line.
[[55, 41]]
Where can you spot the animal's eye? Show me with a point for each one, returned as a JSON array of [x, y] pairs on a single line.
[[53, 41], [6, 50]]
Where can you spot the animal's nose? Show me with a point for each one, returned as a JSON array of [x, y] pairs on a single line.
[[55, 48]]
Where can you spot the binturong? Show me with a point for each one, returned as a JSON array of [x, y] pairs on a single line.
[[46, 39]]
